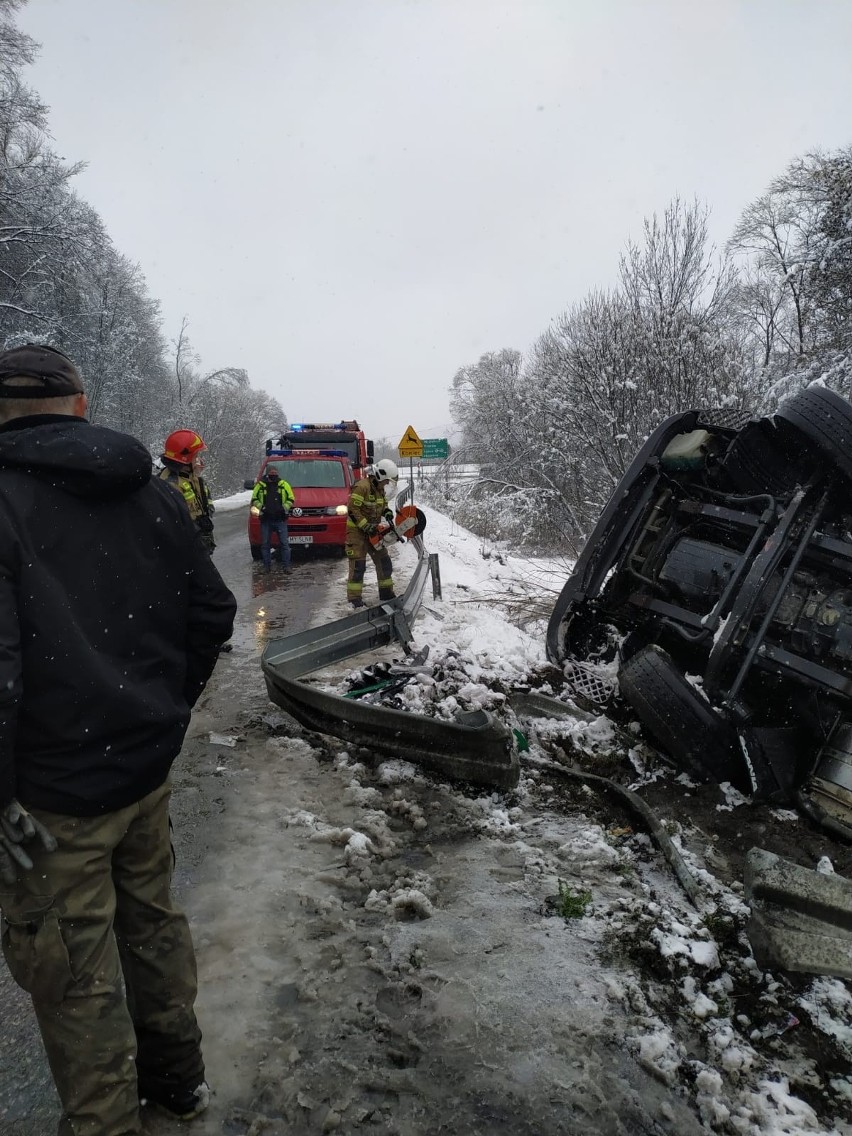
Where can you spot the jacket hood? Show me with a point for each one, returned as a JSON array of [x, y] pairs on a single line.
[[73, 455]]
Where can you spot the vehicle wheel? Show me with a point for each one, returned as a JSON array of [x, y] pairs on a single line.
[[721, 418], [688, 728], [256, 553], [825, 419]]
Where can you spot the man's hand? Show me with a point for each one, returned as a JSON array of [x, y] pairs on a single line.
[[11, 854], [16, 827]]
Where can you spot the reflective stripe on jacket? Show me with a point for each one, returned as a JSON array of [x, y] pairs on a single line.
[[192, 489], [367, 504], [258, 494]]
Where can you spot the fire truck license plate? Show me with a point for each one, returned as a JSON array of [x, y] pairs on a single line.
[[300, 539]]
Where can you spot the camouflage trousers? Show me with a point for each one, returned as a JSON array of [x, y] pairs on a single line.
[[93, 935], [358, 548]]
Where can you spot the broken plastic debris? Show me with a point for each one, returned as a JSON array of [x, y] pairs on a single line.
[[775, 1029], [229, 740]]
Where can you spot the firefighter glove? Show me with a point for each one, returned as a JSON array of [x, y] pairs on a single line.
[[17, 826]]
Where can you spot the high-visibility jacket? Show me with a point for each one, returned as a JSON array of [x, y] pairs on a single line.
[[260, 495], [367, 504], [194, 491]]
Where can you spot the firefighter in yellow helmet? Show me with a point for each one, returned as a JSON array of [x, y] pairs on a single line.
[[183, 463], [368, 504]]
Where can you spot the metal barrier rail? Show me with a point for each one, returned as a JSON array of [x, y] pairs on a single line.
[[476, 747]]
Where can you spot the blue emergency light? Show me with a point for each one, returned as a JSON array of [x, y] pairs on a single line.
[[302, 453]]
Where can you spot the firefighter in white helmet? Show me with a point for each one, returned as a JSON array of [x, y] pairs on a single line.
[[368, 505]]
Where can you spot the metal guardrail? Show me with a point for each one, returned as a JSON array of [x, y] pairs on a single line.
[[364, 630], [476, 747]]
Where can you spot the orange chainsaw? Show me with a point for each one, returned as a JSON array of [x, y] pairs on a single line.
[[406, 524]]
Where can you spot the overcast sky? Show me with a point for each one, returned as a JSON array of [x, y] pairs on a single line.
[[353, 198]]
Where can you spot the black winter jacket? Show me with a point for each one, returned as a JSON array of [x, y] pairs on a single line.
[[111, 617]]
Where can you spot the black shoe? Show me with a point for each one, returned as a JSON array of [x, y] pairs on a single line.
[[357, 603], [184, 1103]]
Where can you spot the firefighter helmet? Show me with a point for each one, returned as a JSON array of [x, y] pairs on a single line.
[[386, 470], [183, 445]]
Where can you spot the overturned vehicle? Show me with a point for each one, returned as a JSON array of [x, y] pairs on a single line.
[[718, 584]]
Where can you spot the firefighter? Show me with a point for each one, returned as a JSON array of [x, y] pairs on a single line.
[[183, 461], [367, 507], [273, 498]]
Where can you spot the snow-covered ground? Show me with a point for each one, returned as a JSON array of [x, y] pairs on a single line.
[[637, 972]]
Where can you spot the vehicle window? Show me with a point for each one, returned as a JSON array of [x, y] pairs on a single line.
[[311, 474]]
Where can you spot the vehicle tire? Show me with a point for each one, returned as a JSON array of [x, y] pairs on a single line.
[[721, 418], [256, 552], [825, 419], [680, 720]]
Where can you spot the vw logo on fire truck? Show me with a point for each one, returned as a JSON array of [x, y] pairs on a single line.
[[296, 512]]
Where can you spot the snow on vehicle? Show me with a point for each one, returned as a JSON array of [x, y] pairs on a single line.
[[718, 581]]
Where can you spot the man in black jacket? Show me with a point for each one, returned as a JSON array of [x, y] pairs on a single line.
[[111, 619]]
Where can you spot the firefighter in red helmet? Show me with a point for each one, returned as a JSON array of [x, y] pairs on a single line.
[[183, 464]]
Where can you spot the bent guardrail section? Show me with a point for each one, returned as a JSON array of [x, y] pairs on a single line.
[[476, 747]]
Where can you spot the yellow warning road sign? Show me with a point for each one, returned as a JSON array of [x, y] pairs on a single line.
[[410, 445]]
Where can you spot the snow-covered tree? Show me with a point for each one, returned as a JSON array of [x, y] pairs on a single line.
[[795, 296]]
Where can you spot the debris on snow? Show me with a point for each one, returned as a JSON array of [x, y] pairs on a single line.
[[229, 740]]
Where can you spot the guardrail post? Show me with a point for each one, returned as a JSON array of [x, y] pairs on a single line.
[[435, 571]]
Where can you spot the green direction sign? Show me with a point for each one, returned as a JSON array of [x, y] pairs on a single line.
[[435, 448]]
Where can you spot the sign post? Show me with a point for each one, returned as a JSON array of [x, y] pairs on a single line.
[[410, 446]]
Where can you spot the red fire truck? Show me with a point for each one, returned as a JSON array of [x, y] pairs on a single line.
[[320, 461]]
